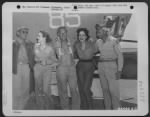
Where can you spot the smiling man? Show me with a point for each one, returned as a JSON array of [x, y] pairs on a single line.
[[109, 66], [66, 71], [23, 62]]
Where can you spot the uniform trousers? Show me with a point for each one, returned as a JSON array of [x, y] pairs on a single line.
[[21, 86], [66, 75], [85, 70], [110, 86]]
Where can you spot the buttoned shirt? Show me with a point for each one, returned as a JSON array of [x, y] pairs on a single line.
[[29, 53], [86, 53], [110, 50], [45, 54]]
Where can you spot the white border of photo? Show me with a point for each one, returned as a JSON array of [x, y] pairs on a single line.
[[140, 12]]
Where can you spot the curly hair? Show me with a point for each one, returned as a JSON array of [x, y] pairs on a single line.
[[85, 30], [47, 36]]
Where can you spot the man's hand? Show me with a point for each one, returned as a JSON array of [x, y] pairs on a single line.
[[118, 75]]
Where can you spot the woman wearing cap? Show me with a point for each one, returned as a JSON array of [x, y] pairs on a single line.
[[45, 61]]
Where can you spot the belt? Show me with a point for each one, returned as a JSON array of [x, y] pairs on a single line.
[[107, 60], [21, 63], [40, 62], [85, 60]]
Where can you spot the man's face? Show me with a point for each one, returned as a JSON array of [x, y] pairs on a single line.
[[102, 33], [23, 34], [105, 32], [99, 33], [63, 34]]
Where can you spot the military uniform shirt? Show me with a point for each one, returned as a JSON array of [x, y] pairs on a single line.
[[110, 50]]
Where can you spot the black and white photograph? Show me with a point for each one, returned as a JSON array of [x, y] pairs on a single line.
[[74, 60]]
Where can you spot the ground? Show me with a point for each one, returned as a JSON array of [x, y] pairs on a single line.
[[98, 104]]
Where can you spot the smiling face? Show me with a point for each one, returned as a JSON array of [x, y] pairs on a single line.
[[82, 36], [99, 33], [102, 33], [106, 33], [62, 34], [40, 38]]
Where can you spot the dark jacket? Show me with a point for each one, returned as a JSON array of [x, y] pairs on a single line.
[[30, 53]]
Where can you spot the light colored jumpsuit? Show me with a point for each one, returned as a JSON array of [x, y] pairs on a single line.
[[112, 61], [66, 74]]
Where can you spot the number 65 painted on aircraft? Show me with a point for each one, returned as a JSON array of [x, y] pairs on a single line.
[[64, 20]]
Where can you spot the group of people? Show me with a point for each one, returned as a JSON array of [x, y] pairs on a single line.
[[75, 64]]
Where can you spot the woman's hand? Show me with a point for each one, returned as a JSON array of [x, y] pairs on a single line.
[[43, 62], [54, 65], [76, 61]]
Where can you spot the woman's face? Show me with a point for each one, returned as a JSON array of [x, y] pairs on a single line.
[[40, 38], [82, 36]]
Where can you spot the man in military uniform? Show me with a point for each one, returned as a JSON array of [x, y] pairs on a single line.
[[109, 67], [66, 71], [23, 63]]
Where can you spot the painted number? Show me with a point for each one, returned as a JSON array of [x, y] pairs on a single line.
[[73, 16], [64, 20], [54, 17]]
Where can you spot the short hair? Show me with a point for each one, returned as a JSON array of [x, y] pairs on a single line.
[[47, 36], [99, 26], [85, 30], [62, 27]]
